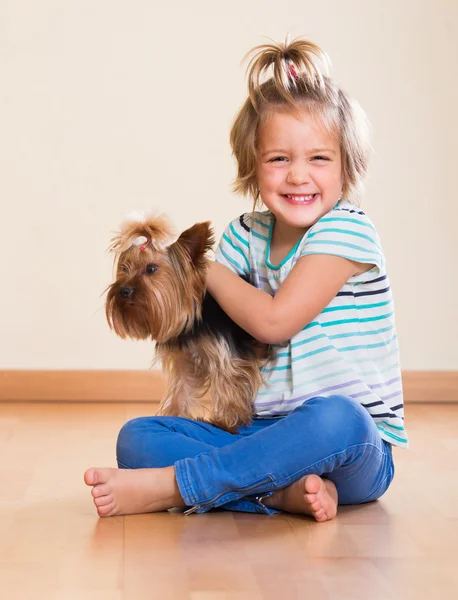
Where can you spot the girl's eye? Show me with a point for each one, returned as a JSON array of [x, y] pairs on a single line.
[[151, 269], [320, 158], [277, 158]]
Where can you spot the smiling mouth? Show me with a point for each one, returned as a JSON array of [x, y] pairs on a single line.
[[297, 199]]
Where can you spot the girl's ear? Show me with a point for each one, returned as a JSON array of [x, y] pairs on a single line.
[[196, 241]]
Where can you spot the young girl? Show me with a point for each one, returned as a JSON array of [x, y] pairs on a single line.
[[332, 406]]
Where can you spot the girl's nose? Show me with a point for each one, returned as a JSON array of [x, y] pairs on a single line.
[[298, 174]]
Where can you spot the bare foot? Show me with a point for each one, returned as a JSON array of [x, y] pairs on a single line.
[[309, 495], [132, 491]]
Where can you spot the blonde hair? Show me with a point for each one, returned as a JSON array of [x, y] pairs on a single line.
[[298, 82]]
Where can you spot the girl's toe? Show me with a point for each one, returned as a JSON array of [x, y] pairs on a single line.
[[104, 511], [103, 500], [100, 490]]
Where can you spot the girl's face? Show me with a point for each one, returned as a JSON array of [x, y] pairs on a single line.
[[299, 170]]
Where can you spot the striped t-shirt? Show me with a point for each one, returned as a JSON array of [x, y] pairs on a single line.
[[351, 347]]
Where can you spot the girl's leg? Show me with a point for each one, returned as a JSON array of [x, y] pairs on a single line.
[[147, 448], [333, 437], [154, 442]]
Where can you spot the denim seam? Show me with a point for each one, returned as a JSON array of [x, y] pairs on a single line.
[[375, 492], [236, 491], [298, 474], [123, 466], [184, 483], [220, 500]]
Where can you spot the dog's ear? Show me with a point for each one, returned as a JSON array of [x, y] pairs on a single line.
[[155, 230], [196, 241]]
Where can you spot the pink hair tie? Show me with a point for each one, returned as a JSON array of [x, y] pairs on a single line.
[[292, 71], [143, 246]]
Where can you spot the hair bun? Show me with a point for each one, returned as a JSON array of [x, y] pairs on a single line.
[[292, 63]]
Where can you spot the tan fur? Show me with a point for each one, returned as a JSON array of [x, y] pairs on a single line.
[[164, 305]]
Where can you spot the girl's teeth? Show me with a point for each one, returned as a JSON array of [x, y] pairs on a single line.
[[302, 198]]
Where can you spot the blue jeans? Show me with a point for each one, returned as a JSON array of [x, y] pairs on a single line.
[[334, 437]]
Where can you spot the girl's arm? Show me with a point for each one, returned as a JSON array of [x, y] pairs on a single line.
[[313, 282]]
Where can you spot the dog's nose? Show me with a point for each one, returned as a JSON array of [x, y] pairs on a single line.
[[126, 292]]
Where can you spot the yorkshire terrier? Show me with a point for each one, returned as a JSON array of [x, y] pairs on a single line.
[[160, 294]]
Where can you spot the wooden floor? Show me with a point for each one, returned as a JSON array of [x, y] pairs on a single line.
[[54, 547]]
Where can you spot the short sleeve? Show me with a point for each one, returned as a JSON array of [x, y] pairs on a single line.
[[349, 234], [233, 250]]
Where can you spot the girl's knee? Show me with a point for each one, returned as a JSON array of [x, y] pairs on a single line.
[[131, 440], [338, 413], [130, 430]]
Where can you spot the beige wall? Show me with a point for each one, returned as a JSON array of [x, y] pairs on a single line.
[[108, 106]]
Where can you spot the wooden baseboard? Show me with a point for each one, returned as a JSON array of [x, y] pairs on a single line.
[[430, 386], [148, 386], [81, 386]]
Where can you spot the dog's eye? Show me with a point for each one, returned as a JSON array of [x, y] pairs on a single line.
[[123, 268], [150, 269]]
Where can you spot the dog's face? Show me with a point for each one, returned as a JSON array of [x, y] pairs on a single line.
[[159, 286]]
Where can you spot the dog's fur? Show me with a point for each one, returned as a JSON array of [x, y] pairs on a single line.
[[159, 294]]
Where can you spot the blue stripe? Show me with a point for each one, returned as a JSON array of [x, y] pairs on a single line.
[[330, 323], [232, 261], [243, 224], [393, 426], [391, 435], [359, 333], [355, 233], [366, 320], [306, 355], [360, 294], [382, 278], [262, 224], [312, 339], [353, 307], [258, 235], [236, 249], [312, 353], [344, 244], [283, 368], [238, 236], [340, 335], [347, 349], [352, 257], [368, 346], [343, 220]]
